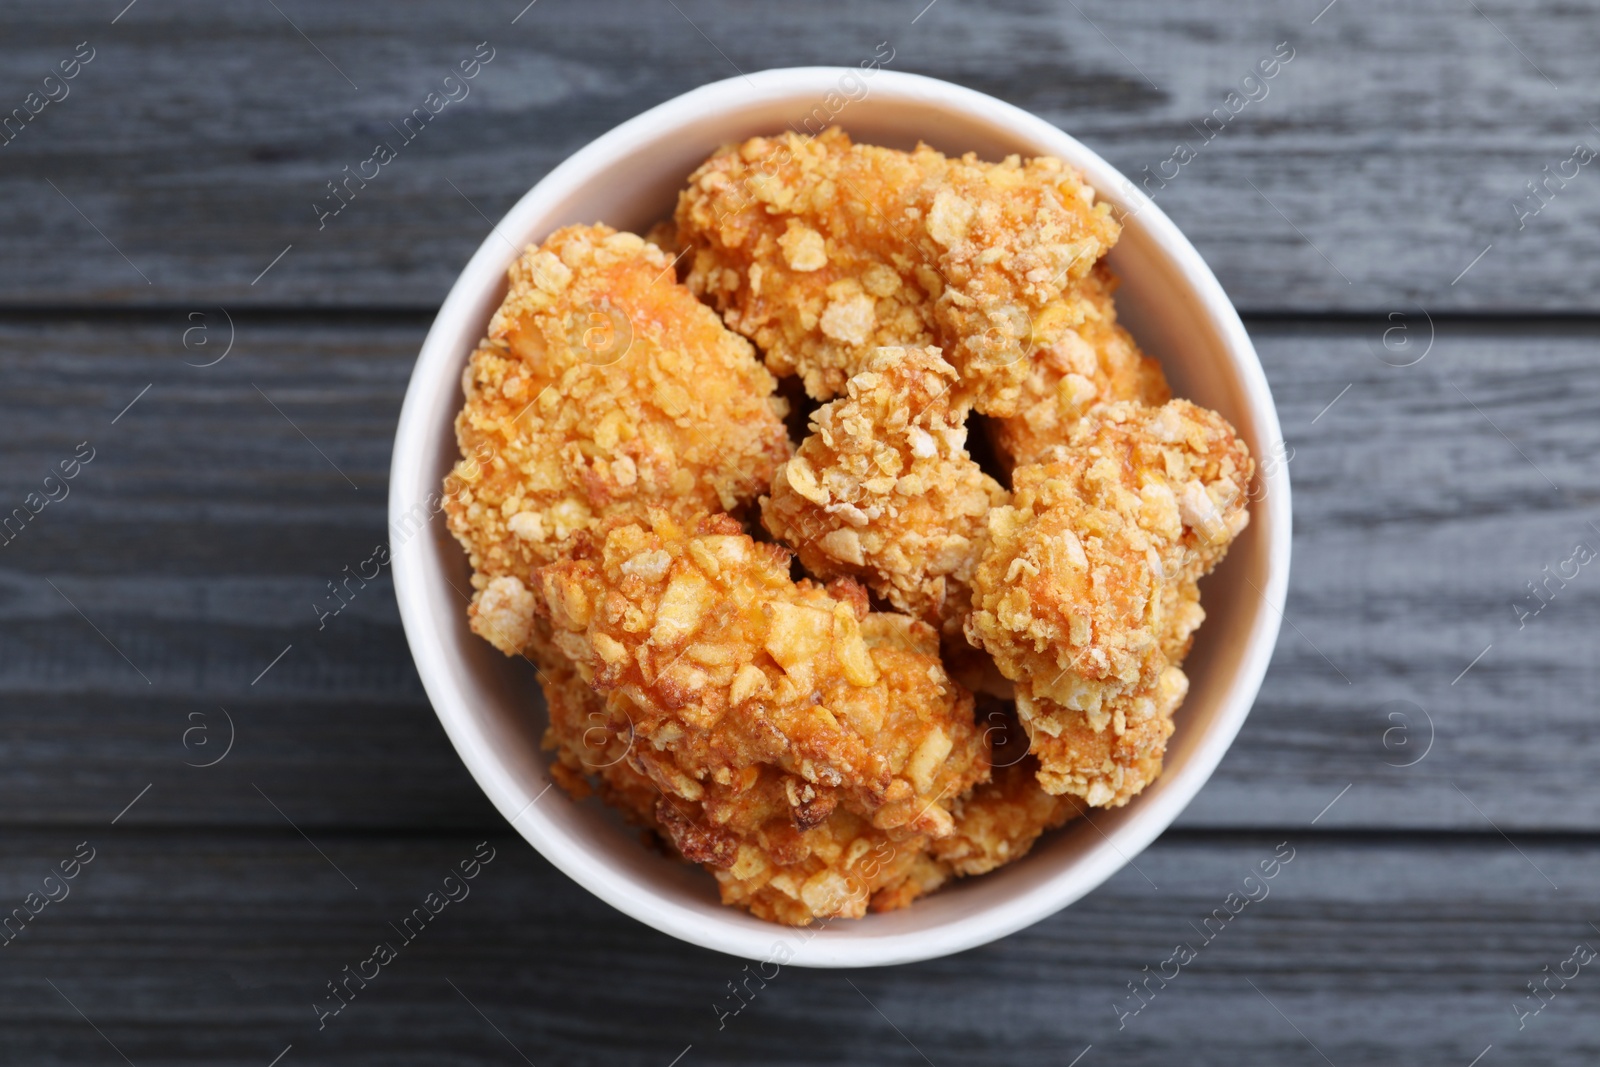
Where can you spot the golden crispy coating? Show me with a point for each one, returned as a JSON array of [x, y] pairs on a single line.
[[774, 847], [1190, 468], [883, 490], [745, 832], [818, 758], [1083, 358], [603, 387], [800, 242], [1106, 766], [791, 873], [1067, 594], [758, 833], [721, 665], [1181, 615], [1085, 596], [999, 821], [821, 250]]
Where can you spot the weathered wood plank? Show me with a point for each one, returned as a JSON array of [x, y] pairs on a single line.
[[188, 948], [1385, 156], [205, 529], [197, 541], [221, 501], [1418, 526]]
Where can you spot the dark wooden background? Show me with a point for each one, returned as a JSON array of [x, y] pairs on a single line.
[[1382, 164]]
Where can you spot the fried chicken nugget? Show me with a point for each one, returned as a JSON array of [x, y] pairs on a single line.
[[603, 387], [721, 663], [821, 250], [790, 852], [883, 490], [1084, 593], [1083, 357], [758, 833], [753, 834]]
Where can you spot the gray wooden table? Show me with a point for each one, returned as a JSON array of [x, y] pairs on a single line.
[[1425, 746]]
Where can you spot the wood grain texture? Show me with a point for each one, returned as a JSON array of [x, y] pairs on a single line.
[[198, 542], [1425, 751], [1367, 174], [206, 528], [188, 948]]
